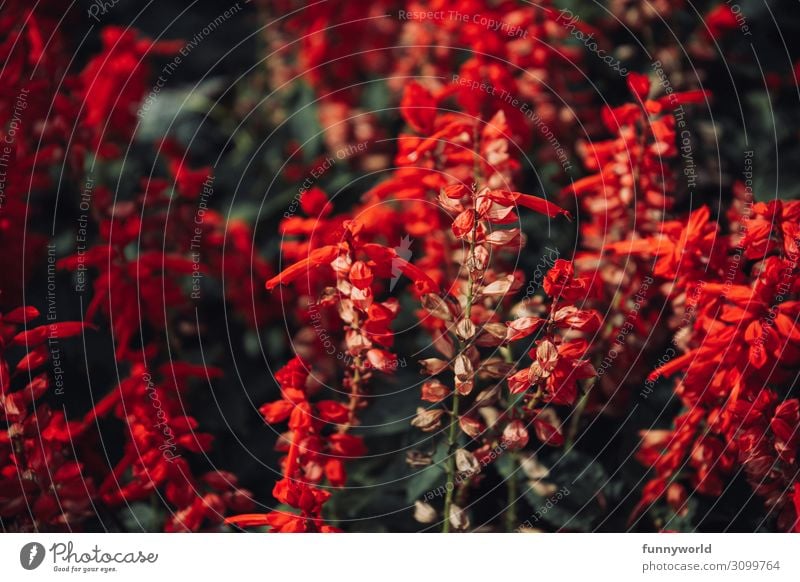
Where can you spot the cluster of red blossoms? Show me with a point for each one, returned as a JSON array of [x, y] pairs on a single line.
[[636, 256], [731, 284], [516, 54], [740, 347], [453, 186], [55, 472], [702, 299]]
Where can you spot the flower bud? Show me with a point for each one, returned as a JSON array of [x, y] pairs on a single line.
[[416, 459], [434, 391], [534, 469], [498, 288], [458, 518], [515, 435], [463, 368], [437, 306], [470, 425], [547, 356], [466, 462], [492, 335], [465, 329], [543, 488], [478, 260], [428, 420], [432, 366], [424, 512]]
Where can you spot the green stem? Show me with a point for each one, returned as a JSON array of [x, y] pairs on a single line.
[[512, 487], [452, 433], [451, 464], [513, 493], [574, 424]]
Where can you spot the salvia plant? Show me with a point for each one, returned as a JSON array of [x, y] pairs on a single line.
[[534, 243]]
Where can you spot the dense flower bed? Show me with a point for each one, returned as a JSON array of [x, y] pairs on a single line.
[[656, 286]]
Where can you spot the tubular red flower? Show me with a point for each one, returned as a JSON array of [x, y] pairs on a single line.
[[316, 258]]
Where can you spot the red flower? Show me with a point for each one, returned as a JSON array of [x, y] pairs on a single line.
[[418, 107]]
